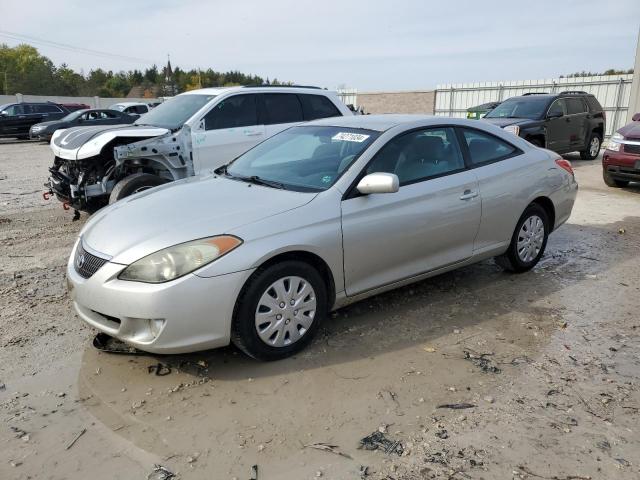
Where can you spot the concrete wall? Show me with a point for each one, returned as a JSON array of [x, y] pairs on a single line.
[[398, 102], [95, 102]]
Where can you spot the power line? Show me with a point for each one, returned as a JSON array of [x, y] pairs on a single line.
[[72, 48]]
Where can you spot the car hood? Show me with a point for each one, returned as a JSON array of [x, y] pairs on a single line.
[[178, 212], [631, 131], [503, 122], [78, 143]]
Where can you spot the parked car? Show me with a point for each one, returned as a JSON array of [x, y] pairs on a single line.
[[132, 108], [621, 158], [319, 216], [17, 118], [189, 134], [72, 107], [565, 122], [479, 111], [44, 130]]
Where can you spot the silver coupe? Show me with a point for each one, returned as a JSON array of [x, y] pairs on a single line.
[[319, 216]]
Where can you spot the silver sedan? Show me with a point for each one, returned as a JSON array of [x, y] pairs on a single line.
[[317, 217]]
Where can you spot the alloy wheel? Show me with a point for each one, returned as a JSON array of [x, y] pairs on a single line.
[[594, 147], [285, 311]]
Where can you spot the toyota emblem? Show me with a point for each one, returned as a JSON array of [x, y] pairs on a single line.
[[80, 260]]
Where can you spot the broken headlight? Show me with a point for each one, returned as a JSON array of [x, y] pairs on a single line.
[[176, 261]]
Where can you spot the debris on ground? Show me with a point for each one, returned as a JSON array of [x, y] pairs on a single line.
[[379, 441], [328, 448], [457, 406], [481, 361], [107, 343], [254, 472], [160, 369], [364, 471], [161, 473], [75, 439]]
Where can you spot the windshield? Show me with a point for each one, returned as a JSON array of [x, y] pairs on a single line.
[[304, 158], [72, 116], [174, 112], [532, 107]]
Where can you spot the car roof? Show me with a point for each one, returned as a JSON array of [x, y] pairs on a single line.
[[378, 123], [257, 88], [128, 104]]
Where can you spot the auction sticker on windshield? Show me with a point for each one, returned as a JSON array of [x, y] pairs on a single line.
[[350, 137]]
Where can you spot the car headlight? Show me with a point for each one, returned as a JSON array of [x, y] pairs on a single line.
[[174, 262], [515, 129], [614, 142]]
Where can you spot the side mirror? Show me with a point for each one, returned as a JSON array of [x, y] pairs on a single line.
[[4, 113], [379, 183], [555, 115], [636, 118]]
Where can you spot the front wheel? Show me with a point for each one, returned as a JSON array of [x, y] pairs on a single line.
[[138, 182], [279, 310], [593, 148], [528, 241]]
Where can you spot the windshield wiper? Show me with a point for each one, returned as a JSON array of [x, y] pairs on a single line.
[[261, 181]]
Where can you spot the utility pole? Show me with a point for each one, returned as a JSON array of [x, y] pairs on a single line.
[[634, 98]]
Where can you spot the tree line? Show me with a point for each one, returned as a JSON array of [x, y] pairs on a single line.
[[24, 70]]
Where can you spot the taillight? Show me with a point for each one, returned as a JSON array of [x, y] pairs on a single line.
[[565, 165]]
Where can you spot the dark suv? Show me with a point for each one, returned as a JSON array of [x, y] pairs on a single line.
[[16, 118], [564, 122]]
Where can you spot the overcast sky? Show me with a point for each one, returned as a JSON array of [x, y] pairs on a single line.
[[390, 45]]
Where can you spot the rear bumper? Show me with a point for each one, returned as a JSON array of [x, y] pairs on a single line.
[[621, 165]]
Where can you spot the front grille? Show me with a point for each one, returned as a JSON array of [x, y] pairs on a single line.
[[628, 148], [86, 264]]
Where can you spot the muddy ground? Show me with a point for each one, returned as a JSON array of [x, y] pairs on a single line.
[[548, 361]]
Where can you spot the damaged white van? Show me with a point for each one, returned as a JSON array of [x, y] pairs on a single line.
[[192, 133]]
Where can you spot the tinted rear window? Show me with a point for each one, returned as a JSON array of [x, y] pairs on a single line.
[[282, 108], [593, 103], [575, 105], [318, 106]]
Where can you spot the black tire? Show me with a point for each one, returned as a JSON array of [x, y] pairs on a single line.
[[510, 260], [244, 333], [133, 184], [586, 154], [613, 182]]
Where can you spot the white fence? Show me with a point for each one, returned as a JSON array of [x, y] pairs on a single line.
[[349, 96], [612, 91]]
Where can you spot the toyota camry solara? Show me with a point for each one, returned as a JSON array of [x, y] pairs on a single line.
[[319, 216]]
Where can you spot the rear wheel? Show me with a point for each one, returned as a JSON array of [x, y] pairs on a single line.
[[138, 182], [528, 241], [613, 182], [279, 310], [593, 148]]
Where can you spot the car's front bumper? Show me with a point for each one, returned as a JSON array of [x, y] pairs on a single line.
[[190, 314], [622, 165]]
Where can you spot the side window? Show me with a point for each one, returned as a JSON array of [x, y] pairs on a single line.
[[557, 106], [142, 109], [236, 111], [46, 109], [282, 108], [419, 155], [108, 115], [318, 106], [593, 103], [14, 110], [575, 105], [485, 148]]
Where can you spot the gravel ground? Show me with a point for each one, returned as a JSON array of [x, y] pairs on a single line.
[[547, 363]]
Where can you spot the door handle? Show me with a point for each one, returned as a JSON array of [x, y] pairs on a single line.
[[468, 195]]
